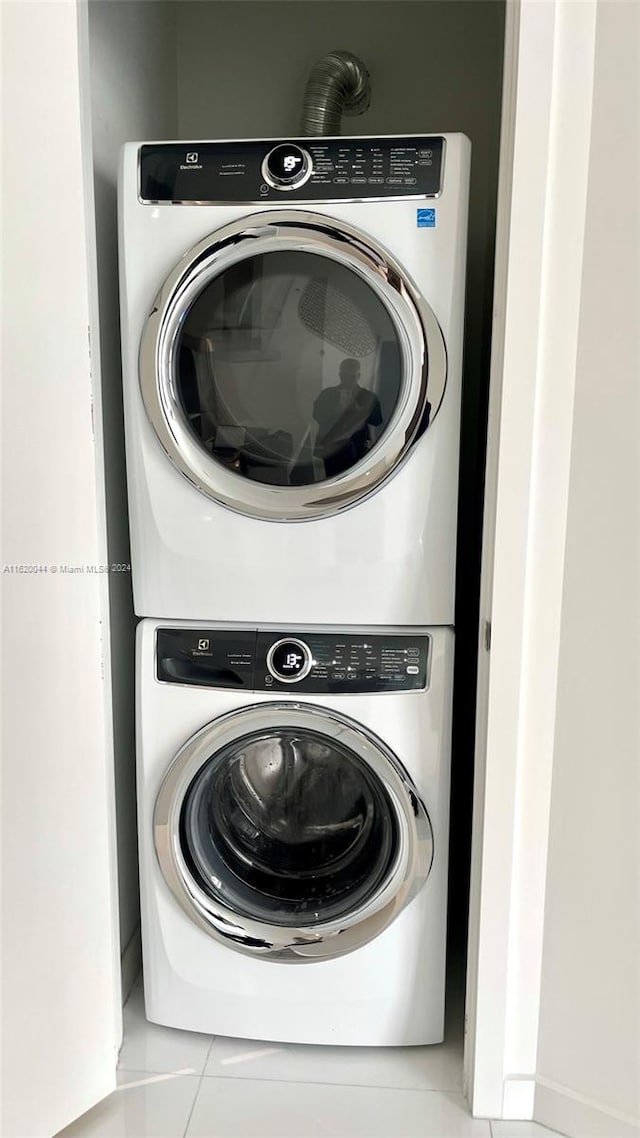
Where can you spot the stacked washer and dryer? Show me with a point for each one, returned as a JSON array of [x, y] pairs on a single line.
[[292, 338]]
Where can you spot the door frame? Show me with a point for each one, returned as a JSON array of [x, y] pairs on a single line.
[[545, 140]]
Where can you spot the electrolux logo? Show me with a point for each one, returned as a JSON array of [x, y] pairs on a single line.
[[191, 161], [204, 647]]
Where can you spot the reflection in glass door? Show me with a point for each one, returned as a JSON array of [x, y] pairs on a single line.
[[289, 368]]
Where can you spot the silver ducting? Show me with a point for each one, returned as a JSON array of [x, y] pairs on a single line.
[[338, 84]]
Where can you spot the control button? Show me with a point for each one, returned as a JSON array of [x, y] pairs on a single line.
[[340, 181], [425, 153], [412, 670], [289, 660], [376, 181], [410, 181], [394, 181], [287, 166]]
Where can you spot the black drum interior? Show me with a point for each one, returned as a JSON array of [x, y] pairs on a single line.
[[289, 827]]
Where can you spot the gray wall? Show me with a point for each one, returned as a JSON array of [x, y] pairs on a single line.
[[589, 1043], [133, 95], [435, 66]]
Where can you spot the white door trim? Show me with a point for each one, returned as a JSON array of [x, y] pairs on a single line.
[[548, 87]]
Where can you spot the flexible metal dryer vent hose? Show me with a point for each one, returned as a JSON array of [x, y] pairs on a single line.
[[338, 84]]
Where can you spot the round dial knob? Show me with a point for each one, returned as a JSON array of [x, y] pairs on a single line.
[[289, 660], [287, 166]]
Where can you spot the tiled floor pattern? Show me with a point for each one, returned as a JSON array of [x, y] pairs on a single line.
[[176, 1084]]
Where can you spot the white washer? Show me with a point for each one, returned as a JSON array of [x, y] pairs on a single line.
[[293, 828], [292, 346]]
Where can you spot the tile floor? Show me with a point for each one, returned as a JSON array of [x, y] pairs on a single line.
[[177, 1084]]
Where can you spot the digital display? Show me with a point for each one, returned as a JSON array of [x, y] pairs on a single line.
[[286, 164], [289, 659]]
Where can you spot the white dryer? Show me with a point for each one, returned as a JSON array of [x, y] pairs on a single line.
[[292, 319], [293, 790], [292, 345]]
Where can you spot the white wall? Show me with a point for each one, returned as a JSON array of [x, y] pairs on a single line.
[[60, 981], [435, 65], [588, 1070], [132, 95]]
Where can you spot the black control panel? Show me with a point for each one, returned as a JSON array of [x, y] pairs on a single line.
[[318, 663], [307, 169]]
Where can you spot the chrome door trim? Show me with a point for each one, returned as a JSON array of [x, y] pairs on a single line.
[[416, 326], [330, 939]]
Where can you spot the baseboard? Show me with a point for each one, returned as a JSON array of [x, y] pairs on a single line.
[[131, 962], [517, 1097], [563, 1109]]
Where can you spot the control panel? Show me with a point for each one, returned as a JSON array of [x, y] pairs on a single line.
[[314, 662], [309, 169]]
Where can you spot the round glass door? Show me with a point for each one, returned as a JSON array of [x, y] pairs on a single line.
[[288, 826], [288, 368], [286, 830]]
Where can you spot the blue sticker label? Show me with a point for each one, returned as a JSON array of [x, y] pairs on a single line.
[[426, 218]]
